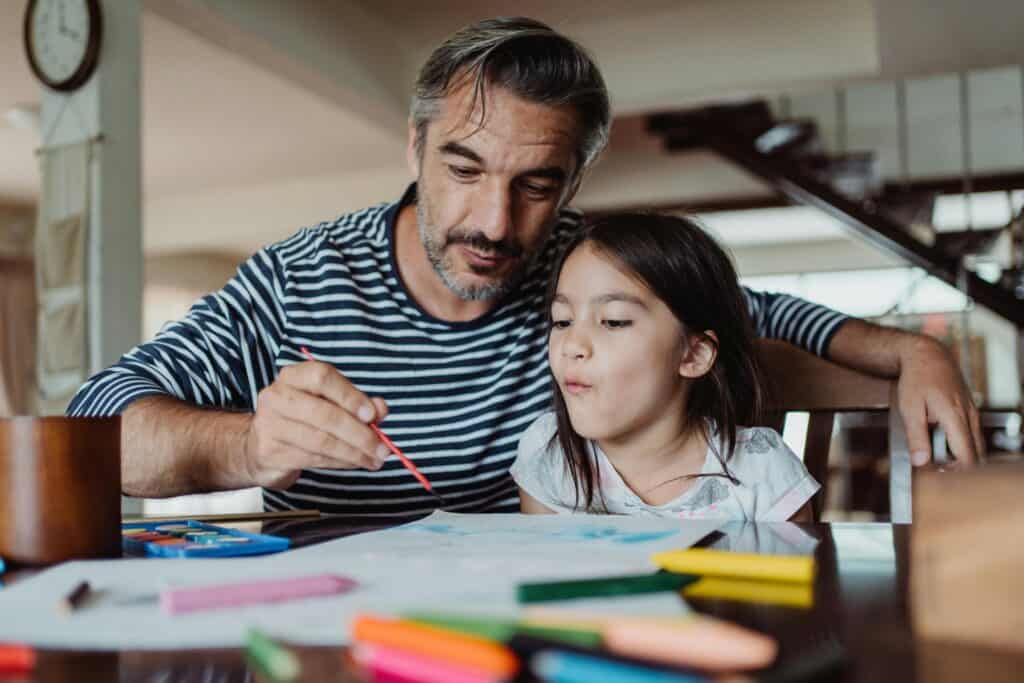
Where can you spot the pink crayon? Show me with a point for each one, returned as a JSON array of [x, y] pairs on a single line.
[[182, 600], [393, 664]]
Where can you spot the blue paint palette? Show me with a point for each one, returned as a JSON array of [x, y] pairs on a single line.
[[188, 538]]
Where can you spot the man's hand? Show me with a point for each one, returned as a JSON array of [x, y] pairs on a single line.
[[930, 388], [311, 416]]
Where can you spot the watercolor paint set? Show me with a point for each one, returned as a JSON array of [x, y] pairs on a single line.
[[189, 538]]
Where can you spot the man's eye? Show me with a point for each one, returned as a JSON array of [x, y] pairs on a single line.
[[462, 172], [616, 324], [538, 191]]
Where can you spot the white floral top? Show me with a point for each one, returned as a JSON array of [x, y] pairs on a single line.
[[773, 482]]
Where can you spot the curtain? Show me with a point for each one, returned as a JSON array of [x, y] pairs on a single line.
[[60, 247], [17, 336]]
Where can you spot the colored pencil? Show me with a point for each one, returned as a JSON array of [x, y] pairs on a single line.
[[505, 629], [697, 641], [406, 462], [183, 600], [75, 598], [569, 667], [598, 587], [800, 595], [17, 659], [390, 663], [274, 661], [455, 648], [795, 568]]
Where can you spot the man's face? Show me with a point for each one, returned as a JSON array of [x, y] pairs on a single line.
[[488, 196]]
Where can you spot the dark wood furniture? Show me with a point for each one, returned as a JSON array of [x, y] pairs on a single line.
[[800, 381], [860, 599]]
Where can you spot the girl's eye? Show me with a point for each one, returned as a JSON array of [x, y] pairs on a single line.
[[616, 324], [560, 324]]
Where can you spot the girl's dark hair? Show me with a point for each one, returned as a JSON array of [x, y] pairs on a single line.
[[685, 268]]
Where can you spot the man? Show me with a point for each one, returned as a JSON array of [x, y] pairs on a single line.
[[427, 314]]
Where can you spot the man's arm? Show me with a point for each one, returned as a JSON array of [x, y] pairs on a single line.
[[930, 387], [204, 408]]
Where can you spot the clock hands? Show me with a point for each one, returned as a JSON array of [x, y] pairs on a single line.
[[62, 27]]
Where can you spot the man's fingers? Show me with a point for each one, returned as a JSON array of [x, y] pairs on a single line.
[[304, 447], [980, 449], [321, 414], [322, 379], [915, 422], [958, 433]]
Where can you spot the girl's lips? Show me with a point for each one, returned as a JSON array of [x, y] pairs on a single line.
[[576, 388]]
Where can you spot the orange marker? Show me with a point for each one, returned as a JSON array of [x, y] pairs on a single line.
[[448, 646], [392, 447], [16, 659]]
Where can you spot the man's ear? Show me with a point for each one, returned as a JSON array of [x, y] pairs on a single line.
[[412, 156], [699, 357]]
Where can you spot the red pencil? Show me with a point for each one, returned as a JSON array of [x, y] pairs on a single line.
[[391, 445]]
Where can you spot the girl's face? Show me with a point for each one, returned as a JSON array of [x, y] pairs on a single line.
[[616, 351]]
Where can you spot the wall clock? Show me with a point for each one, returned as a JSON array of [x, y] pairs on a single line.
[[62, 41]]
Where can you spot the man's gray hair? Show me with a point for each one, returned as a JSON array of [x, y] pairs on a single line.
[[529, 59]]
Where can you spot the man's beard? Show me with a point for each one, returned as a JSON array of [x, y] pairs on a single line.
[[437, 254]]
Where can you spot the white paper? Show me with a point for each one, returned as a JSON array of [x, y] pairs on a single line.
[[461, 563]]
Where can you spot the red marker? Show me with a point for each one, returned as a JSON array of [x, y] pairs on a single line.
[[392, 447], [16, 659]]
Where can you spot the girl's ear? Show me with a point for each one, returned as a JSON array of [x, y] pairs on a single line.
[[699, 357]]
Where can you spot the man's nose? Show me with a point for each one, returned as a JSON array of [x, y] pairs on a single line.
[[495, 214]]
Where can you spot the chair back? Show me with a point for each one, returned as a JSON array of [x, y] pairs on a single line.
[[802, 382]]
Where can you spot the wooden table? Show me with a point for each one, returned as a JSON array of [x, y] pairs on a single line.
[[859, 598]]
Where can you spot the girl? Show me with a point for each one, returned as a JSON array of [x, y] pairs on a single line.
[[651, 351]]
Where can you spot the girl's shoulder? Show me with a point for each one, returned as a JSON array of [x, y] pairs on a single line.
[[760, 450], [538, 436]]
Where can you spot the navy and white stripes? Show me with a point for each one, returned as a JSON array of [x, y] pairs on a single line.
[[460, 394]]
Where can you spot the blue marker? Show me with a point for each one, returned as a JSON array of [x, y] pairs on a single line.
[[568, 667]]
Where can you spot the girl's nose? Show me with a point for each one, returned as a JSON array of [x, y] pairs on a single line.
[[576, 346]]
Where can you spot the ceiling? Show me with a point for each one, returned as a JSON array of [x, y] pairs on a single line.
[[259, 116]]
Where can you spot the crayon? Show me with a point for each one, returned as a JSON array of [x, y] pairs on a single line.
[[570, 667], [697, 641], [455, 648], [392, 663], [795, 568], [602, 587], [16, 659], [75, 598], [274, 661], [799, 595], [182, 600], [505, 629], [526, 646]]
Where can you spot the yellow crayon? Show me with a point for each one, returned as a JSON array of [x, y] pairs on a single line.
[[793, 568], [787, 594]]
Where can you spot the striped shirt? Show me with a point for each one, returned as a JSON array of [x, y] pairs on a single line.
[[460, 394]]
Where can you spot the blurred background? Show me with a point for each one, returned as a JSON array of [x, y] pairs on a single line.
[[867, 155]]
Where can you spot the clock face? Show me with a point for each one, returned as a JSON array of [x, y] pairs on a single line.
[[62, 40]]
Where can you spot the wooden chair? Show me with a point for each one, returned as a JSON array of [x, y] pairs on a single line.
[[798, 381]]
